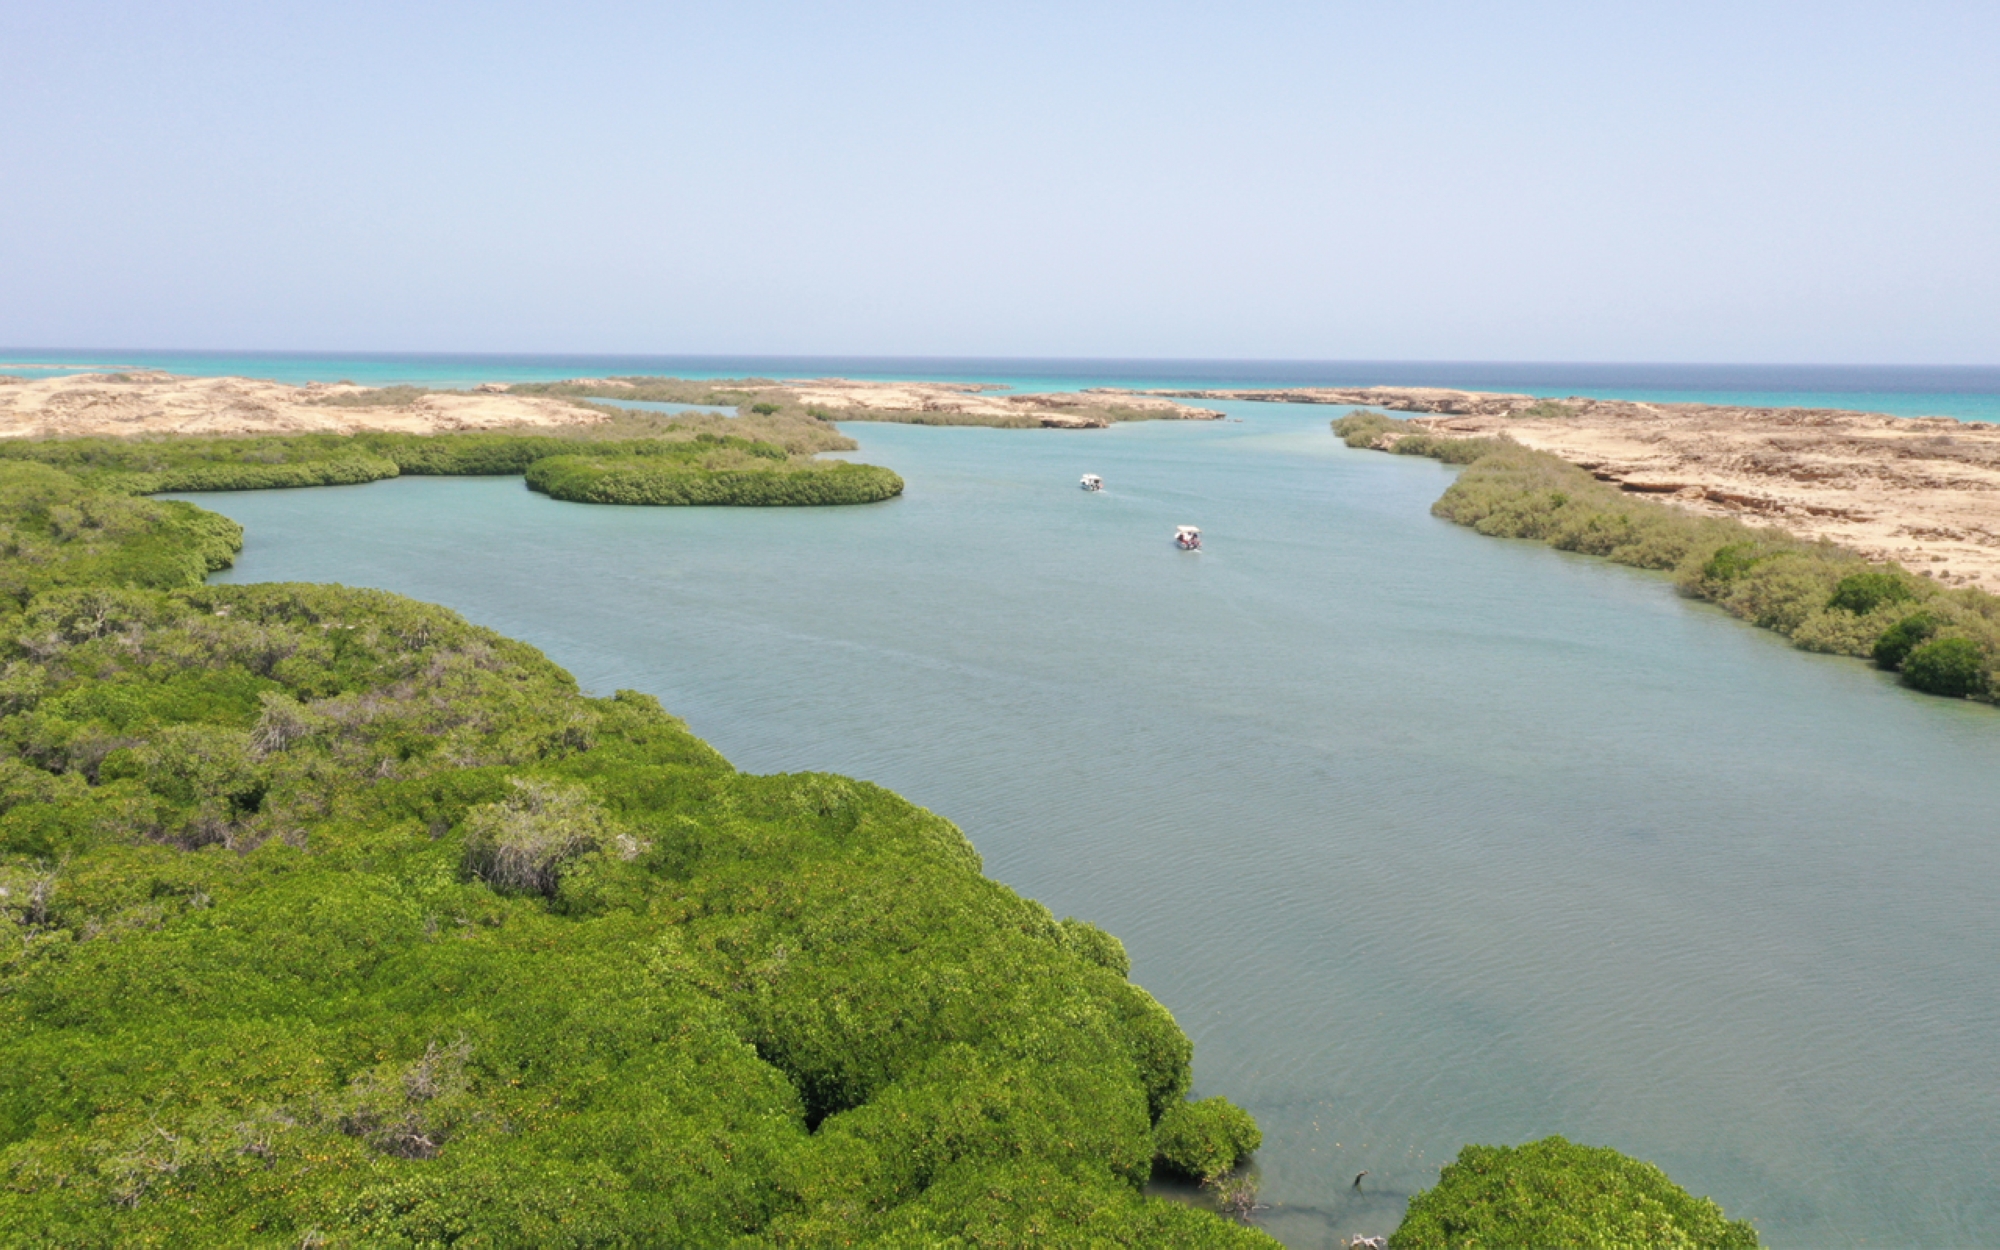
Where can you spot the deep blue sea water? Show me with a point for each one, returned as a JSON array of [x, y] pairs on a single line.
[[1425, 837], [1970, 393]]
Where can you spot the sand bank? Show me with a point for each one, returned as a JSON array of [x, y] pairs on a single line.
[[166, 403], [984, 404], [150, 402]]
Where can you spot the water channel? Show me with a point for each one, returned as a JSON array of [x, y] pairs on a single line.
[[1425, 837]]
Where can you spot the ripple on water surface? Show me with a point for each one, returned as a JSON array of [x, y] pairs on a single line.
[[1425, 837]]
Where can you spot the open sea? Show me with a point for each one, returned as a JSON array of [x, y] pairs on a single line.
[[1426, 838], [1968, 392]]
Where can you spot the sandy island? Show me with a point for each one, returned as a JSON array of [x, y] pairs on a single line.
[[1073, 410], [1923, 491], [151, 402], [167, 403]]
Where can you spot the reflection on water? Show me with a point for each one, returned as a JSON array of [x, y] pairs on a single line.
[[1425, 837]]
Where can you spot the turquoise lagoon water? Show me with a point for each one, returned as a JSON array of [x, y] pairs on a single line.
[[657, 405], [1970, 393], [1426, 838]]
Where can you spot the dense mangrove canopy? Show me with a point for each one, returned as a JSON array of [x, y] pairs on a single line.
[[329, 918], [1556, 1193], [689, 465]]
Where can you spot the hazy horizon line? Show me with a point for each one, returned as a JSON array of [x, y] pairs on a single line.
[[1429, 361]]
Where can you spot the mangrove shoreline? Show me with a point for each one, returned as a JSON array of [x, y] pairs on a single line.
[[1923, 492], [332, 918], [676, 465], [159, 403], [1821, 596]]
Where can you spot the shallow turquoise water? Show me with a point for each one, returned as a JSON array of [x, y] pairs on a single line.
[[1425, 837], [658, 405], [1970, 393]]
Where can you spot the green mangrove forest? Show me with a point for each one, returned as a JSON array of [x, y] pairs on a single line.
[[1820, 596], [768, 397], [669, 463], [1554, 1193], [332, 919], [328, 918]]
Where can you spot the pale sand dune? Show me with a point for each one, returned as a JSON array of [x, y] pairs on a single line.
[[165, 403]]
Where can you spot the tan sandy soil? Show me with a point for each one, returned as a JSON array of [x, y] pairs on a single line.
[[165, 403], [142, 402], [1071, 410], [1922, 491], [1399, 398]]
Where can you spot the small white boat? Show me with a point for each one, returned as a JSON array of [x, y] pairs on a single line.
[[1092, 482], [1187, 537]]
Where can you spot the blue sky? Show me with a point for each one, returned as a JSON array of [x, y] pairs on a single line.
[[1706, 182]]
